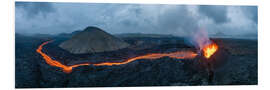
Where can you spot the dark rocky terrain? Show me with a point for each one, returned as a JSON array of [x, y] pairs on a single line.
[[237, 58]]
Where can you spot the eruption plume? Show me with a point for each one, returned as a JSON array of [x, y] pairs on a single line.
[[201, 41]]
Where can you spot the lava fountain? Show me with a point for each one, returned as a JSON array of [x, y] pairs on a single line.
[[150, 56], [201, 41], [209, 50]]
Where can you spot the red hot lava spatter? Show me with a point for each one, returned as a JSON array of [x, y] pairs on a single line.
[[151, 56], [209, 50]]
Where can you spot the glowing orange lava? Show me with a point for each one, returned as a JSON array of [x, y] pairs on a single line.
[[152, 56], [209, 50]]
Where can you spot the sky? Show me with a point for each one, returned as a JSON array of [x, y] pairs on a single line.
[[176, 19]]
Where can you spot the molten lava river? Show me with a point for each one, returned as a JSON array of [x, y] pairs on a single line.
[[152, 56]]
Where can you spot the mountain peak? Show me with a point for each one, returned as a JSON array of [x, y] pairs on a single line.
[[92, 28]]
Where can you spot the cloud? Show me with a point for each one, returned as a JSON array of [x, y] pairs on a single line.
[[34, 8], [217, 13], [177, 18], [251, 12], [239, 24], [181, 20], [161, 19]]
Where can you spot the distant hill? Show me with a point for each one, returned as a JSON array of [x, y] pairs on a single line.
[[91, 40], [69, 34], [143, 35], [252, 36]]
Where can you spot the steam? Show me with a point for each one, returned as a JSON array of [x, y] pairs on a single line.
[[199, 39]]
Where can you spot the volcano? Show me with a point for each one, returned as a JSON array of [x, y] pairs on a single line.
[[92, 40]]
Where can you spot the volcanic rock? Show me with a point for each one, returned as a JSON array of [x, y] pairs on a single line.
[[91, 40]]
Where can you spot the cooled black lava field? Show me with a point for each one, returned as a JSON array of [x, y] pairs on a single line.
[[238, 67]]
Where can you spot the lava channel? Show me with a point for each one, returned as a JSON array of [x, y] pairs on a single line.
[[151, 56]]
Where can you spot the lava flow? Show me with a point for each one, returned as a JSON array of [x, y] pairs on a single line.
[[209, 50], [152, 56]]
